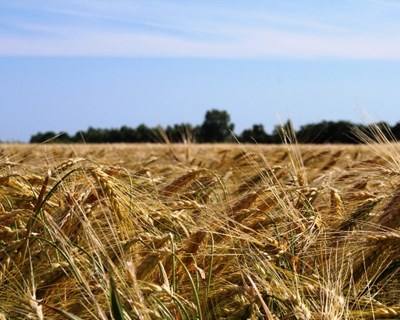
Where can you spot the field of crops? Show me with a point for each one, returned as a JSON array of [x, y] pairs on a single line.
[[199, 232]]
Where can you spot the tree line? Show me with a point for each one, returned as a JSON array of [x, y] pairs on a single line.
[[217, 127]]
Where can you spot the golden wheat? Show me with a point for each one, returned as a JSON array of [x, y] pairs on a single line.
[[199, 232]]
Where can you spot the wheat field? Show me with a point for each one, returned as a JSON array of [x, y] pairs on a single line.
[[199, 232]]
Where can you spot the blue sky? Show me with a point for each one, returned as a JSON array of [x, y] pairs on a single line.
[[66, 65]]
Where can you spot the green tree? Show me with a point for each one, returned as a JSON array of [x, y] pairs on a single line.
[[180, 132], [284, 133], [50, 136], [145, 134], [256, 134], [396, 131], [217, 127], [328, 132]]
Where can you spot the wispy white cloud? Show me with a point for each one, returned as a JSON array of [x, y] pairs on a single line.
[[142, 31]]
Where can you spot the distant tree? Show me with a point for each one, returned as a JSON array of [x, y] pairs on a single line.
[[42, 136], [328, 132], [217, 127], [78, 137], [180, 132], [127, 134], [63, 137], [51, 137], [93, 135], [114, 136], [256, 134], [283, 133], [145, 134], [316, 133], [379, 130], [396, 131]]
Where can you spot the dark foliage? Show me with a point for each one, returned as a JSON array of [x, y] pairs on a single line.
[[327, 132], [256, 134], [283, 133], [217, 127], [183, 132], [396, 130], [51, 136]]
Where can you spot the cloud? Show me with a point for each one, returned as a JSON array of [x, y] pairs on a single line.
[[151, 35]]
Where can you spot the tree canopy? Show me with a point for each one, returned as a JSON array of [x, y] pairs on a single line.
[[218, 127]]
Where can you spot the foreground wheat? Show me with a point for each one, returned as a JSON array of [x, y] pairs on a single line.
[[199, 232]]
